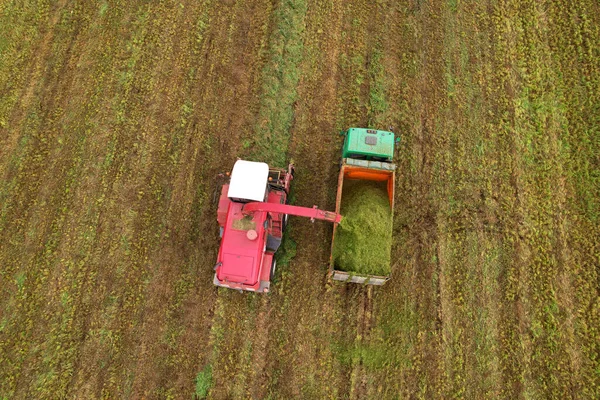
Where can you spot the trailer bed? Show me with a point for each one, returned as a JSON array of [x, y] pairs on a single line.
[[367, 171]]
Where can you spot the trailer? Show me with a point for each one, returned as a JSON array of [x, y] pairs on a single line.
[[366, 156]]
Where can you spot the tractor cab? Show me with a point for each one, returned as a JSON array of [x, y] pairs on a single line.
[[368, 144], [248, 181]]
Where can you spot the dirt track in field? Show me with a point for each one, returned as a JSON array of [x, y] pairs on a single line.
[[116, 119]]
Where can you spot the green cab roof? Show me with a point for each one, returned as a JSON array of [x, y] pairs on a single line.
[[368, 144]]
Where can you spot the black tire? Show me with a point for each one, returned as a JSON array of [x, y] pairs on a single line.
[[273, 265], [284, 222]]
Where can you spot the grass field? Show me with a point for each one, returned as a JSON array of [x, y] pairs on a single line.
[[117, 116]]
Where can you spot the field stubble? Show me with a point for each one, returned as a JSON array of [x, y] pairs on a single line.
[[115, 120]]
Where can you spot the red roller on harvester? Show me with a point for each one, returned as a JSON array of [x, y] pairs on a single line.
[[252, 216]]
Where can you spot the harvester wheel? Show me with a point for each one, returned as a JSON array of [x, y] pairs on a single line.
[[273, 265], [285, 220]]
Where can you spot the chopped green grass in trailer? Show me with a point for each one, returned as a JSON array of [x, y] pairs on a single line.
[[363, 239]]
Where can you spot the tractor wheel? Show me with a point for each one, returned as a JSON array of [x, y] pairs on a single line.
[[273, 265]]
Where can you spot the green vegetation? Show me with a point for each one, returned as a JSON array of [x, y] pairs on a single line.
[[270, 138], [244, 224], [363, 240], [204, 382]]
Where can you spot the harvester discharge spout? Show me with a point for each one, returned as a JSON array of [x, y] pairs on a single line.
[[312, 213]]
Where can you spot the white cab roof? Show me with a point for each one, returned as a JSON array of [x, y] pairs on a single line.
[[248, 180]]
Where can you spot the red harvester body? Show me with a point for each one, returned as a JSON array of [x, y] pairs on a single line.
[[251, 231]]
